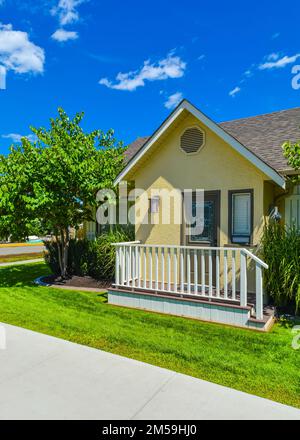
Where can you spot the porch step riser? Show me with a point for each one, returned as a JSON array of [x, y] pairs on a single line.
[[218, 313]]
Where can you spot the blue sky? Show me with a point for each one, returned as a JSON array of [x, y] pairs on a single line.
[[127, 64]]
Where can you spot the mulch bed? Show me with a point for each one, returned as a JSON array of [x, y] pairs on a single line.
[[76, 281]]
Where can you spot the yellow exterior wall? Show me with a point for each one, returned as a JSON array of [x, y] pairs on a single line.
[[216, 167]]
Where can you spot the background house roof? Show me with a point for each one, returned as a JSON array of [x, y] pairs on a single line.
[[263, 135]]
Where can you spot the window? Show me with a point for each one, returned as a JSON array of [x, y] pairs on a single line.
[[292, 211], [240, 216], [154, 205]]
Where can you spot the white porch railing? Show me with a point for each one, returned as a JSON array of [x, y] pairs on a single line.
[[207, 272]]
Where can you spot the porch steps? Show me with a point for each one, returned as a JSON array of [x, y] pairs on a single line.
[[266, 323], [193, 306]]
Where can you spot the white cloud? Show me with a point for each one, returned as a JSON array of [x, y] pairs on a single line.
[[62, 35], [274, 62], [67, 12], [201, 57], [276, 35], [233, 92], [173, 100], [248, 73], [273, 57], [18, 53], [16, 138], [169, 67]]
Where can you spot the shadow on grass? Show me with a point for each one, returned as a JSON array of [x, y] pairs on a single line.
[[104, 296], [22, 275], [288, 321]]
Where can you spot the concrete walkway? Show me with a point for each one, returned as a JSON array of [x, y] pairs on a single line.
[[47, 378], [18, 263], [16, 250]]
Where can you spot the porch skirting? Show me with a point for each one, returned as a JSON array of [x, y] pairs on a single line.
[[204, 310]]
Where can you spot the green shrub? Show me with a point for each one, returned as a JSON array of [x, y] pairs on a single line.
[[281, 251], [94, 258], [78, 256]]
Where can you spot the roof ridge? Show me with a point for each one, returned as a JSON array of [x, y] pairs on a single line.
[[259, 116]]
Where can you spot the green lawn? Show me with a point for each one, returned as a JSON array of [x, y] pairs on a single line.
[[259, 363]]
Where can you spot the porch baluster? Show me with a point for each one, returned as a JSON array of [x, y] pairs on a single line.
[[233, 275], [175, 269], [181, 270], [210, 283], [218, 274], [169, 269], [195, 272], [225, 275], [202, 273], [162, 256], [188, 269], [156, 268], [145, 267]]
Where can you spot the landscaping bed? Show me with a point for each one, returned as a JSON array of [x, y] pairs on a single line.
[[76, 281]]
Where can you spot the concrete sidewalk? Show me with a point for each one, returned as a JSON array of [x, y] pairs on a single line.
[[16, 250], [47, 378]]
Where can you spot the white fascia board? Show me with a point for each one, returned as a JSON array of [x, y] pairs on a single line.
[[237, 146], [169, 121]]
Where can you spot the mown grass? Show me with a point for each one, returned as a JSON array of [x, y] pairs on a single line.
[[259, 363], [20, 257]]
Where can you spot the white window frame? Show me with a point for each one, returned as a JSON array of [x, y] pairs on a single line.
[[240, 238]]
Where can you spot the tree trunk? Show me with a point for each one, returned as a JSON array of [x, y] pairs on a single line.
[[59, 254], [63, 242], [66, 252]]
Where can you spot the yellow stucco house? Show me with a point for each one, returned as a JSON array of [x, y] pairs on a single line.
[[215, 275]]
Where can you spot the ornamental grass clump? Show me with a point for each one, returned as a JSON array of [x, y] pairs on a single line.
[[281, 251]]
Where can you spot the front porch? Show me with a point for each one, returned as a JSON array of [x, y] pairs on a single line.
[[215, 284]]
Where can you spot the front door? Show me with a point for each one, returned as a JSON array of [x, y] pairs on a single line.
[[210, 234]]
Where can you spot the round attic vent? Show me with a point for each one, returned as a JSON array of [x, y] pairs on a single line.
[[192, 140]]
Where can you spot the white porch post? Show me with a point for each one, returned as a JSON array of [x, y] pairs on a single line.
[[243, 289], [117, 275], [259, 291]]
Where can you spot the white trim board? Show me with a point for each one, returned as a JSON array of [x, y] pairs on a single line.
[[230, 140]]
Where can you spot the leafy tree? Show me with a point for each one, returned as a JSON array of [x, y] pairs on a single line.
[[56, 178], [291, 151]]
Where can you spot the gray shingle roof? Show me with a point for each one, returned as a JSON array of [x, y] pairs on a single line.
[[263, 135]]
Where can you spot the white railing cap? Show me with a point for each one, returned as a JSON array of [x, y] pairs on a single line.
[[255, 258], [126, 243]]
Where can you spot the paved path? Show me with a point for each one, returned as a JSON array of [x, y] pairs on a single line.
[[47, 378], [16, 250], [18, 263]]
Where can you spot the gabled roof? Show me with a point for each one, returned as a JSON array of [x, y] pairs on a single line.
[[258, 139]]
